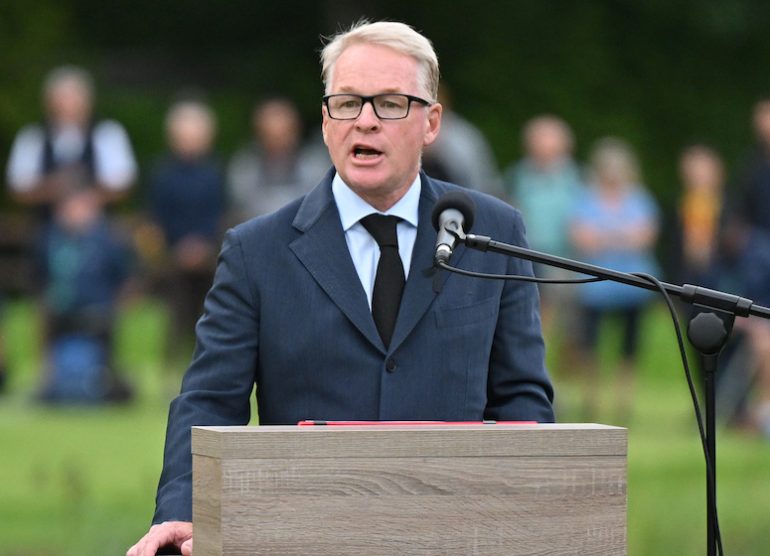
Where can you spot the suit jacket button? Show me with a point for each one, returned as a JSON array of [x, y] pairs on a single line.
[[390, 365]]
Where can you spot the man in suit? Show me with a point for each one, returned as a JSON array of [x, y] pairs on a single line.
[[297, 302]]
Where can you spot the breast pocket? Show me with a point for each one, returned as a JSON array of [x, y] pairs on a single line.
[[465, 315]]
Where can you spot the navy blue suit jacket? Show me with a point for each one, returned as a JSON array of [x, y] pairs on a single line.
[[288, 313]]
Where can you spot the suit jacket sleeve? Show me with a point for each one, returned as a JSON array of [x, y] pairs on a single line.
[[518, 387], [217, 386]]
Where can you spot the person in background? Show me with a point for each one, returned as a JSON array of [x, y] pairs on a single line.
[[186, 192], [747, 246], [752, 208], [462, 154], [614, 224], [544, 186], [545, 183], [83, 268], [274, 168], [694, 246], [699, 216], [69, 146]]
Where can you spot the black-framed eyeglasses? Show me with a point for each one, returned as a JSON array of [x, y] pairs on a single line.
[[387, 106]]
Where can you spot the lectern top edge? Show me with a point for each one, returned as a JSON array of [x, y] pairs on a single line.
[[385, 426], [384, 441]]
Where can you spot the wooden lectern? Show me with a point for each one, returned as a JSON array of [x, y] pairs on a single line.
[[409, 489]]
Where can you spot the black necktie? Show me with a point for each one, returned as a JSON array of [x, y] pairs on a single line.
[[389, 280]]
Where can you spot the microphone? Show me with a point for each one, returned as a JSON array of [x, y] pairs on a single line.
[[453, 212]]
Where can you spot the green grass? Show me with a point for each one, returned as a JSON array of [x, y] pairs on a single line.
[[82, 481]]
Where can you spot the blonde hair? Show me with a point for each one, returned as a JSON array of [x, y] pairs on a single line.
[[615, 159], [398, 36], [193, 110]]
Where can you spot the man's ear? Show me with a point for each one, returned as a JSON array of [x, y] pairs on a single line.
[[324, 123], [434, 123]]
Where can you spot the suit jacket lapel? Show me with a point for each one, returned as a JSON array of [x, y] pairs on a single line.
[[324, 253], [424, 282]]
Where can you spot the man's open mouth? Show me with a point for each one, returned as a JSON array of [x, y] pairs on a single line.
[[364, 153]]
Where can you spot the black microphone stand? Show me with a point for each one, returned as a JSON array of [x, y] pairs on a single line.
[[708, 330]]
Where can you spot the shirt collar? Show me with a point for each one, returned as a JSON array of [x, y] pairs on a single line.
[[353, 208]]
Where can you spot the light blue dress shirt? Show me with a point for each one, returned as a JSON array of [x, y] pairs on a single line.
[[363, 248]]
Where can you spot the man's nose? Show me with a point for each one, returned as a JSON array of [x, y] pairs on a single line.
[[367, 119]]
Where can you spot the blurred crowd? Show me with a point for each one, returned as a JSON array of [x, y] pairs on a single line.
[[70, 169]]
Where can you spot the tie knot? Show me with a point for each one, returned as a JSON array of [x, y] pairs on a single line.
[[382, 228]]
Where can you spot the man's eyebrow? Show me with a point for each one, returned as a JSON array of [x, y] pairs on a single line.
[[386, 91]]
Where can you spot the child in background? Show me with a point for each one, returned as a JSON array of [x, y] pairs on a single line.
[[700, 214], [84, 268]]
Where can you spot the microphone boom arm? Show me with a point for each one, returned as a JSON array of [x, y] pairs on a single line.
[[694, 295]]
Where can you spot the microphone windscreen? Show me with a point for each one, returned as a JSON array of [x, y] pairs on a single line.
[[458, 200]]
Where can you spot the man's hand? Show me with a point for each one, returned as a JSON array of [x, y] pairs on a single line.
[[177, 533]]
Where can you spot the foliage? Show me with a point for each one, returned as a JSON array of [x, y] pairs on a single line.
[[660, 74]]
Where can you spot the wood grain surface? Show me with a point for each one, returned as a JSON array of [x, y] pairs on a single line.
[[546, 489]]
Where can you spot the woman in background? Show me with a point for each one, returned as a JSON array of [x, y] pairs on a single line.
[[614, 224]]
